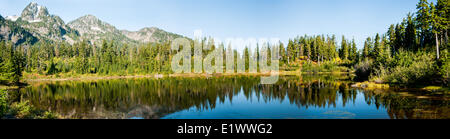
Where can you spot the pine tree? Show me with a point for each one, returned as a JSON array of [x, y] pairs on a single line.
[[438, 25], [443, 16], [246, 56], [392, 38], [410, 34], [333, 46], [387, 48], [308, 49], [354, 51], [344, 49], [399, 37], [3, 61], [378, 48], [16, 65], [424, 18], [291, 51], [367, 47], [282, 52]]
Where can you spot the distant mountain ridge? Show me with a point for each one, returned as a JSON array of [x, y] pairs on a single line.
[[10, 31], [95, 30], [37, 21], [151, 34]]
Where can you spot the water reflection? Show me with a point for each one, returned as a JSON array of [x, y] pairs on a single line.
[[304, 96]]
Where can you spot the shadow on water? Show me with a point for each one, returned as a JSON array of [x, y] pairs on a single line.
[[306, 96]]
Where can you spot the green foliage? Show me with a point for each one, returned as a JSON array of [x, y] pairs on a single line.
[[364, 69], [12, 62], [14, 29], [445, 68], [321, 50], [3, 103], [17, 64], [411, 53], [344, 50], [22, 109], [412, 68], [49, 115], [327, 66], [367, 50]]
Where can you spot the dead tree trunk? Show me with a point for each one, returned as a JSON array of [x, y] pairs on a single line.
[[437, 45]]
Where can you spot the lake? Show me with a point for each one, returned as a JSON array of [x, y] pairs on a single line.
[[231, 97]]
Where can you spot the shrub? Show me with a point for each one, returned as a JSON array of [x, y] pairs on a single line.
[[327, 66], [445, 66], [49, 115], [22, 110], [3, 103], [378, 74], [363, 70], [412, 68]]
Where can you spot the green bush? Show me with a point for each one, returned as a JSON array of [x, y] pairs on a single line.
[[363, 69], [445, 60], [22, 110], [3, 103], [327, 66], [445, 69], [412, 68], [49, 115]]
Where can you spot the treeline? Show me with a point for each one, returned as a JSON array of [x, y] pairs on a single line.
[[108, 58], [113, 58], [413, 51], [12, 61], [84, 58], [320, 49]]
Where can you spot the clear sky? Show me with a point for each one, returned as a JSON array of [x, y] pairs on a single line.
[[282, 19]]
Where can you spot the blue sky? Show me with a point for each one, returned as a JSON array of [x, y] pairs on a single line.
[[282, 19]]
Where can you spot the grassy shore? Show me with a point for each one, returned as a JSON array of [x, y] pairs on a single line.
[[34, 77], [374, 86]]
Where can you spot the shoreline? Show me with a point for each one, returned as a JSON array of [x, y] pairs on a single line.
[[109, 77], [96, 77], [40, 78]]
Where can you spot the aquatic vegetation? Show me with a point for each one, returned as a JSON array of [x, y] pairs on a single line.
[[22, 109], [370, 85]]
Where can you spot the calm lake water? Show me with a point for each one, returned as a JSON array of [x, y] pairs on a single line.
[[233, 97]]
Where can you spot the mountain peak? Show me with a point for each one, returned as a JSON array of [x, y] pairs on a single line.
[[89, 16], [34, 12], [149, 29], [88, 19], [92, 27]]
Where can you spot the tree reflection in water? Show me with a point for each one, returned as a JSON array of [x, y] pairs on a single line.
[[155, 98]]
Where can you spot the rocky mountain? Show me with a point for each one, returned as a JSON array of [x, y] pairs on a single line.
[[95, 29], [34, 13], [36, 21], [92, 28], [152, 34], [10, 31]]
